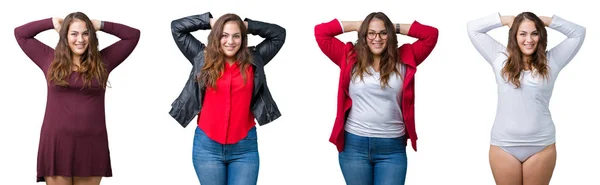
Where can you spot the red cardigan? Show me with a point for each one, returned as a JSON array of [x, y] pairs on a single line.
[[410, 54]]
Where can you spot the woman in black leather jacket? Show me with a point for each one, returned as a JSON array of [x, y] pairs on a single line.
[[227, 89]]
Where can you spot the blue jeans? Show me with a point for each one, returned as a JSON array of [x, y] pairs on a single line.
[[373, 161], [230, 164]]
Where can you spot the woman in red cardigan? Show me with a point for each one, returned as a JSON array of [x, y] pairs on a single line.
[[375, 110]]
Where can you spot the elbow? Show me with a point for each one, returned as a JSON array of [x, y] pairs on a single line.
[[578, 33], [136, 34], [433, 34], [318, 32], [282, 33], [276, 32], [174, 26], [583, 32], [470, 30], [16, 32], [280, 30], [470, 26]]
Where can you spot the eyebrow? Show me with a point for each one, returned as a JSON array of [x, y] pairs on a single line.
[[78, 31], [379, 31], [526, 31], [232, 34]]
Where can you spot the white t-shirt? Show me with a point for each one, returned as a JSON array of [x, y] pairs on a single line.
[[523, 117], [375, 111]]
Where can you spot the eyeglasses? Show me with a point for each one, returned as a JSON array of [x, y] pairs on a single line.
[[373, 35]]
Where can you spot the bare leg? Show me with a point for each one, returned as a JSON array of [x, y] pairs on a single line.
[[87, 180], [505, 167], [538, 169], [58, 180]]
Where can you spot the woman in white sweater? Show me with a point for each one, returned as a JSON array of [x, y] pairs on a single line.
[[522, 148]]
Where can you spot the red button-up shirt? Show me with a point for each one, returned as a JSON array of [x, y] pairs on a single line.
[[226, 117]]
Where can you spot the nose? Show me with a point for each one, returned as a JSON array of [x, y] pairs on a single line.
[[80, 38], [529, 38], [378, 37], [230, 40]]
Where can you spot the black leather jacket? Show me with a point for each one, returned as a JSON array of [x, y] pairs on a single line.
[[189, 102]]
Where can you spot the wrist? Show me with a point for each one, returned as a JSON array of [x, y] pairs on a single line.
[[506, 20], [546, 20], [503, 20]]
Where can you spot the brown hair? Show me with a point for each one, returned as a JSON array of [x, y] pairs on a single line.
[[91, 60], [215, 58], [515, 63], [389, 57]]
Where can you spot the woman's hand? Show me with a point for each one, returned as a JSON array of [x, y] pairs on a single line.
[[57, 22], [507, 20], [97, 24], [547, 20]]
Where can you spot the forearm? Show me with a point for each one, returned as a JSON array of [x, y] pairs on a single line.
[[349, 26], [507, 20], [192, 23], [121, 31], [265, 30], [212, 23], [31, 29]]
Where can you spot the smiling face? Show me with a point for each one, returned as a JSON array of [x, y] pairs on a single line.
[[231, 40], [527, 37], [376, 36], [78, 36]]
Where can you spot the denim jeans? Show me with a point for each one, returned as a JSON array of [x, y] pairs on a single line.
[[373, 161], [230, 164]]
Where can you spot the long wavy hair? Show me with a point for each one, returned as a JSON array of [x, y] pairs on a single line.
[[91, 66], [364, 56], [515, 62], [215, 58]]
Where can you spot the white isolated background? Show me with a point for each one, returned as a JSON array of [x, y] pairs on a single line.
[[455, 91]]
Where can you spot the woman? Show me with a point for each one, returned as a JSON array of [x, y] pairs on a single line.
[[522, 149], [228, 84], [375, 110], [73, 146]]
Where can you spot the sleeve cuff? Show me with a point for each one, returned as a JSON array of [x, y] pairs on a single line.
[[206, 18], [493, 20], [556, 21], [497, 19], [341, 25]]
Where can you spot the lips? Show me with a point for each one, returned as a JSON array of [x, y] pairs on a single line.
[[229, 48], [529, 46], [79, 46], [377, 45]]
